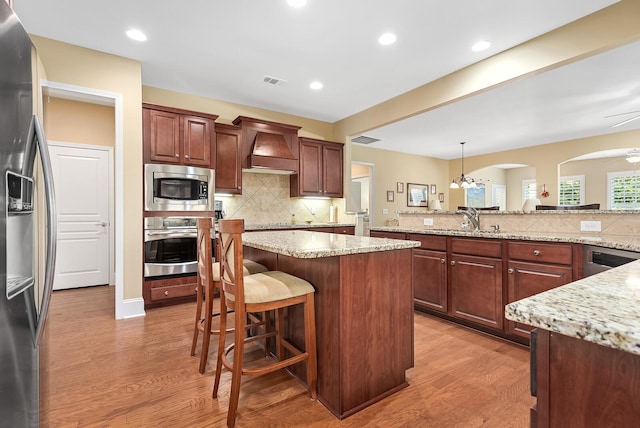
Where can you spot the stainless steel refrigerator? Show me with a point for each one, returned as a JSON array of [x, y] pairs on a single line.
[[27, 227]]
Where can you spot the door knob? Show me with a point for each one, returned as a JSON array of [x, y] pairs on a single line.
[[103, 224]]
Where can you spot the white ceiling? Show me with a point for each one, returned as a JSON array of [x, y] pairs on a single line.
[[222, 49]]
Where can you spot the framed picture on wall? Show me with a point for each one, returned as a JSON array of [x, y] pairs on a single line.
[[390, 197], [433, 189], [400, 187], [441, 197], [417, 195]]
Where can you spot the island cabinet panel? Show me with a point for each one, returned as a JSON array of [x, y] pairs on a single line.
[[583, 384], [364, 324], [228, 159], [475, 275], [430, 279]]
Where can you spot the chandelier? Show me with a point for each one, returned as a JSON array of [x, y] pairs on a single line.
[[462, 181]]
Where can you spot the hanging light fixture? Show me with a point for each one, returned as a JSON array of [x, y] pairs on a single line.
[[633, 156], [462, 181]]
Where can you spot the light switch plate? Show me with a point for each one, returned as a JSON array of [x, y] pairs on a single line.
[[385, 211], [428, 222], [591, 226]]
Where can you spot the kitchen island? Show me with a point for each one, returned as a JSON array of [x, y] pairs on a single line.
[[586, 358], [364, 310]]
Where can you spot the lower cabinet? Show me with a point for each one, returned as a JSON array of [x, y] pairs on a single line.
[[476, 289], [430, 276]]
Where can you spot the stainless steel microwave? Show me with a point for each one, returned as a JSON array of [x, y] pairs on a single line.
[[178, 188]]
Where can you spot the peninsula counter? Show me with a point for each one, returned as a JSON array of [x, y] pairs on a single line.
[[364, 310]]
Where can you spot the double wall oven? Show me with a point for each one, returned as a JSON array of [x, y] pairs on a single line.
[[173, 194]]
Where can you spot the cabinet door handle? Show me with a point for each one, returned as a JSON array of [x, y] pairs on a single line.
[[453, 262], [166, 293], [186, 156], [442, 260], [536, 252], [510, 270], [177, 155]]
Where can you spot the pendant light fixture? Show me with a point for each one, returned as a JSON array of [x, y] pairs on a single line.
[[462, 181]]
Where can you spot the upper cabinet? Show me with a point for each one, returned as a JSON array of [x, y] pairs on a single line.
[[320, 171], [228, 159], [178, 136]]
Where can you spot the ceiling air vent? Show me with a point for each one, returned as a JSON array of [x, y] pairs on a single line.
[[363, 139], [274, 81]]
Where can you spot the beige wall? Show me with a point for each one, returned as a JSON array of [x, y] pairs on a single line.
[[79, 122], [87, 68], [392, 167]]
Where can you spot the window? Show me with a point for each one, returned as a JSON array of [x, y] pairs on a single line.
[[499, 196], [623, 190], [571, 190], [529, 190]]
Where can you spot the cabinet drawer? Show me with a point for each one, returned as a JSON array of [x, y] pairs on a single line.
[[172, 291], [429, 242], [390, 235], [347, 230], [477, 247], [539, 252]]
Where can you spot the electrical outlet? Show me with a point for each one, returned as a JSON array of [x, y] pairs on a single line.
[[591, 226], [385, 211], [428, 222]]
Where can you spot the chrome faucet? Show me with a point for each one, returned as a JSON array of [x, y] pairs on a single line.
[[473, 215]]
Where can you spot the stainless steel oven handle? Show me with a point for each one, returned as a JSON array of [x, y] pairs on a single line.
[[156, 235]]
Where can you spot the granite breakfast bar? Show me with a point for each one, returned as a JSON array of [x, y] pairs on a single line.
[[586, 357], [364, 310]]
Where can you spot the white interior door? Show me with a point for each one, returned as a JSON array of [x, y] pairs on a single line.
[[81, 177]]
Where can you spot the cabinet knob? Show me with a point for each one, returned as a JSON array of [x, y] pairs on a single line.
[[166, 293], [186, 156], [442, 260], [510, 270], [453, 262], [536, 252], [177, 155]]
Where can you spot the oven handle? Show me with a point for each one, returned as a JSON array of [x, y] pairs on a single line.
[[153, 235]]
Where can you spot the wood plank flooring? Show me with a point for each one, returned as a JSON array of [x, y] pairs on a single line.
[[138, 373]]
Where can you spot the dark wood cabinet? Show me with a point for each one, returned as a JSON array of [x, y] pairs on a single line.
[[583, 384], [475, 277], [169, 291], [177, 136], [228, 159], [430, 278], [389, 235], [534, 267], [320, 172]]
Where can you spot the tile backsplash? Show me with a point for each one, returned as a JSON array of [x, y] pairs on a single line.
[[265, 200]]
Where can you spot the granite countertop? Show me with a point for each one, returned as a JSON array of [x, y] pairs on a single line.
[[308, 245], [602, 309], [629, 243]]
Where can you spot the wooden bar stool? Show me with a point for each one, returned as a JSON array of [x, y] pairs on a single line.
[[208, 283], [272, 290]]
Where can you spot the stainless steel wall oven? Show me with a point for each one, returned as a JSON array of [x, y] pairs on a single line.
[[170, 247]]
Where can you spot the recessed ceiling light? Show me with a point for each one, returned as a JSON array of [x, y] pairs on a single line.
[[481, 45], [316, 85], [136, 35], [387, 39], [296, 3]]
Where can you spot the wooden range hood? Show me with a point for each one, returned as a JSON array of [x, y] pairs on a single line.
[[268, 146]]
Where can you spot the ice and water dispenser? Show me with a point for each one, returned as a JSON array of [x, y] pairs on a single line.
[[19, 238]]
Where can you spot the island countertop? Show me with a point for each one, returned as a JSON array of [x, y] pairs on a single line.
[[601, 309], [306, 244]]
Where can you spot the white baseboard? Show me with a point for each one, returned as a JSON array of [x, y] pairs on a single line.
[[131, 308]]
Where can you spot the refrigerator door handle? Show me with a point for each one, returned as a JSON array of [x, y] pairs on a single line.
[[37, 132]]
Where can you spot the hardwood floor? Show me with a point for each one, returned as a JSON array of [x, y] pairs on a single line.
[[138, 373]]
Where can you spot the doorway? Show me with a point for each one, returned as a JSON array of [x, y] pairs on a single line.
[[360, 195], [82, 177]]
